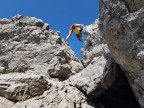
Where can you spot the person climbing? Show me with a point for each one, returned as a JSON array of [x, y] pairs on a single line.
[[77, 29]]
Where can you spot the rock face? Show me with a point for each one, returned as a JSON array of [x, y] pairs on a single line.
[[119, 95], [39, 70], [27, 45], [59, 96], [35, 61], [43, 71], [101, 69], [20, 87], [94, 45], [121, 25], [103, 82], [96, 78]]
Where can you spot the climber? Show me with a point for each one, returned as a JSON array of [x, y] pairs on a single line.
[[77, 29]]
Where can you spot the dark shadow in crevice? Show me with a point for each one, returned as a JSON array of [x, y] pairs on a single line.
[[119, 95]]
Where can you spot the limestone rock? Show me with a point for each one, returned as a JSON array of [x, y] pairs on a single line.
[[4, 21], [28, 45], [4, 103], [66, 97], [34, 59], [60, 71], [22, 20], [121, 25], [100, 69], [20, 87], [94, 45], [45, 71], [95, 78]]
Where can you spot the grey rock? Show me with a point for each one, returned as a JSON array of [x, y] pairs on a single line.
[[38, 59], [100, 69], [17, 17], [46, 26], [94, 45], [60, 71], [68, 97], [22, 86], [4, 21], [29, 48], [122, 29], [4, 103], [2, 68], [23, 21], [95, 78], [46, 72]]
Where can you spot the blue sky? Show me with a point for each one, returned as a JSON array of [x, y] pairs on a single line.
[[60, 14]]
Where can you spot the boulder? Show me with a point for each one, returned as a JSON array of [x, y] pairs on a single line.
[[95, 78], [19, 87]]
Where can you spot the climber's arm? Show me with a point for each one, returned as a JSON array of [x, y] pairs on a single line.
[[68, 36]]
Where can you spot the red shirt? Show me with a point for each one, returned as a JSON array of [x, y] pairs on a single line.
[[72, 27]]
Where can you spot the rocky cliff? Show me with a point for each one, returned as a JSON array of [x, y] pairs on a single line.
[[121, 25], [115, 91], [38, 69], [34, 62]]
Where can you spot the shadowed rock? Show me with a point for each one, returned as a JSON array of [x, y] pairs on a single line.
[[121, 25]]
